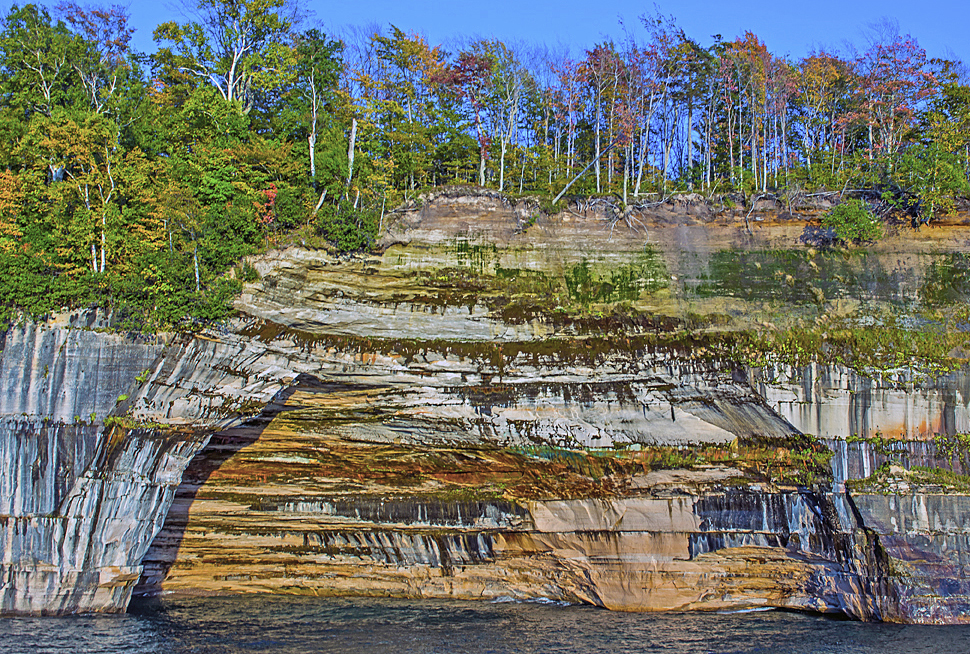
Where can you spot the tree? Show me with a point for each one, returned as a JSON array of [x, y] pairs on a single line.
[[11, 205], [35, 54], [895, 82], [602, 70], [99, 51], [317, 74], [469, 78], [86, 150], [240, 47], [853, 222], [946, 121], [827, 85], [504, 101], [407, 67]]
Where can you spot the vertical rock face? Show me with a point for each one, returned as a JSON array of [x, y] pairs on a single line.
[[832, 400], [495, 406], [68, 374], [79, 503], [926, 536]]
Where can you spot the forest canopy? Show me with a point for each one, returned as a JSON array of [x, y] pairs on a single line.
[[137, 182]]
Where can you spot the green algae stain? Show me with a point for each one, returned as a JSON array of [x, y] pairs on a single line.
[[947, 281], [803, 276], [479, 257], [587, 283]]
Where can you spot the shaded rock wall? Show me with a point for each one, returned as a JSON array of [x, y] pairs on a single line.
[[926, 537]]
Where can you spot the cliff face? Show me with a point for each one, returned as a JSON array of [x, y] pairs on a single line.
[[297, 512], [499, 405], [79, 503]]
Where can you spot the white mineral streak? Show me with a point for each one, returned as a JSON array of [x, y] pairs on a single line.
[[84, 512], [78, 506]]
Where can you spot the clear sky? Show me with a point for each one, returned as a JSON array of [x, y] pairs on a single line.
[[791, 27]]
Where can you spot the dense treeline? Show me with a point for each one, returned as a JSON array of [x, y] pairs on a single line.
[[136, 181]]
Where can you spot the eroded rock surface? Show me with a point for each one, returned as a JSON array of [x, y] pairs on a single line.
[[500, 404], [275, 508], [79, 503]]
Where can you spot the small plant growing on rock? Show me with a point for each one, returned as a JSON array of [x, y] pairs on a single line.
[[853, 222], [247, 272]]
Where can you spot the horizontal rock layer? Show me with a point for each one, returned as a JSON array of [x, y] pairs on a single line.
[[265, 509], [416, 423]]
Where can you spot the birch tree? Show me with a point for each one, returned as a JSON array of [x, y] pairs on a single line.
[[240, 47]]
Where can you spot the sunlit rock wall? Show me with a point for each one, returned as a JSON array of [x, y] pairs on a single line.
[[832, 401], [340, 372], [267, 509]]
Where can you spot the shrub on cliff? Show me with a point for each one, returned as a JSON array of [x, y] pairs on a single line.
[[347, 229], [853, 222]]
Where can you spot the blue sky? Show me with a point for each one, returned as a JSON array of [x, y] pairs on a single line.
[[792, 27]]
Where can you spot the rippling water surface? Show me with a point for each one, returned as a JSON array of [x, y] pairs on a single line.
[[291, 625]]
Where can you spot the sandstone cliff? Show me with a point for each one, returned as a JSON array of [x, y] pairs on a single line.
[[503, 404]]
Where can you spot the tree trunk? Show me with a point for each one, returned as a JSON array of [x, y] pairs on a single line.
[[312, 138], [312, 142], [740, 144], [596, 120], [690, 154], [644, 144], [195, 260], [350, 150], [626, 172]]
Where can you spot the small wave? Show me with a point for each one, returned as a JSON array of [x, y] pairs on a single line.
[[756, 609], [547, 600], [505, 599]]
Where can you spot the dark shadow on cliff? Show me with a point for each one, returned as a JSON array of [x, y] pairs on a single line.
[[222, 446]]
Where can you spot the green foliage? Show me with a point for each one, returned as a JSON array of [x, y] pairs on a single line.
[[290, 207], [947, 281], [853, 222], [871, 350], [955, 445], [927, 178], [551, 208], [238, 46], [886, 479], [346, 228], [247, 273]]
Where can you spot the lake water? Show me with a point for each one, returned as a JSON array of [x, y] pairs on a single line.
[[299, 625]]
